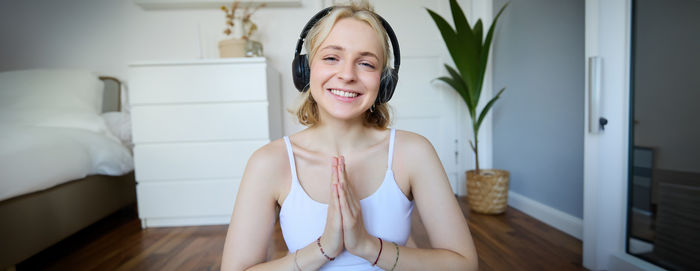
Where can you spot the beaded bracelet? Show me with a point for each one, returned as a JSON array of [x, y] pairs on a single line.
[[381, 244], [397, 256], [318, 242]]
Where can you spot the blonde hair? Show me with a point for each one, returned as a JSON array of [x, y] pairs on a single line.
[[307, 110]]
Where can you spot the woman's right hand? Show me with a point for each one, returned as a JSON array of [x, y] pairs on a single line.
[[332, 238]]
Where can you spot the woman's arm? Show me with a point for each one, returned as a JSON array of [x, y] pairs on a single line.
[[253, 219], [452, 245]]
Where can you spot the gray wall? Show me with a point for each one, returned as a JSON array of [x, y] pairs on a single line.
[[667, 82], [538, 122], [80, 34]]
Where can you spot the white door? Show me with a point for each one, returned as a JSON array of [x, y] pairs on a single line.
[[608, 28]]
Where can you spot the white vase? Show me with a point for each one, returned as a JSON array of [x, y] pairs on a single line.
[[237, 31]]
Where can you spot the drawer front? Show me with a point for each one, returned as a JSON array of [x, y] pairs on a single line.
[[182, 161], [200, 122], [197, 83], [187, 198]]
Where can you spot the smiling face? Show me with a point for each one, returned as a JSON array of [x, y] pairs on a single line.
[[346, 70]]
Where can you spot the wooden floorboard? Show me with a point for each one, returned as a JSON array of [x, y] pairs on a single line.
[[511, 241]]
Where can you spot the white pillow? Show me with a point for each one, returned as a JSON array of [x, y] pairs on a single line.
[[55, 90], [119, 124]]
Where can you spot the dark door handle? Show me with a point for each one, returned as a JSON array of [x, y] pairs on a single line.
[[603, 122]]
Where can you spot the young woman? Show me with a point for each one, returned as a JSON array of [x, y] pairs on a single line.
[[346, 185]]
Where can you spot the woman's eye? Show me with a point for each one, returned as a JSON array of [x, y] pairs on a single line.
[[330, 58], [367, 64]]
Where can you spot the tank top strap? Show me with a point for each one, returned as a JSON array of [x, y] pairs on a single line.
[[290, 154], [391, 147]]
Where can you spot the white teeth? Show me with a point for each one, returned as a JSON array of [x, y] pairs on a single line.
[[344, 93]]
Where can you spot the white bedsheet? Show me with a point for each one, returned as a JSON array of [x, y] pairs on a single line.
[[36, 158]]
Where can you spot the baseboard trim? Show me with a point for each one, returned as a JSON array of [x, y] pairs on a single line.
[[567, 223], [624, 261], [184, 221]]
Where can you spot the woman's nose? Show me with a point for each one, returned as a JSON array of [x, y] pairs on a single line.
[[347, 71]]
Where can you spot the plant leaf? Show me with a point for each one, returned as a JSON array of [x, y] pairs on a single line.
[[479, 31], [448, 34], [486, 47], [460, 46], [468, 45], [461, 23], [453, 83], [464, 91], [488, 106], [478, 36]]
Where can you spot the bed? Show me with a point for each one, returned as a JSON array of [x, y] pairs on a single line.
[[65, 158]]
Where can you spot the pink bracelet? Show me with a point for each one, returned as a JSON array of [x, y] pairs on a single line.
[[381, 244], [318, 242]]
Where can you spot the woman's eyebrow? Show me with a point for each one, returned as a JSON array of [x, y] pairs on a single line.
[[370, 54], [333, 47]]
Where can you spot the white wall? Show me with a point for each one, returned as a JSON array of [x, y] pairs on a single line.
[[63, 34], [106, 35]]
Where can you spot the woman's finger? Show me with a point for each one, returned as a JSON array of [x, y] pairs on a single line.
[[332, 237], [353, 199], [350, 193], [342, 177], [346, 208], [334, 170], [343, 180], [333, 200], [336, 195]]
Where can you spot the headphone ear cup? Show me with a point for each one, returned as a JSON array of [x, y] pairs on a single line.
[[300, 72], [387, 86]]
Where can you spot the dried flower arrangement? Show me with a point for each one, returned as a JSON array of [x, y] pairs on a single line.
[[247, 27]]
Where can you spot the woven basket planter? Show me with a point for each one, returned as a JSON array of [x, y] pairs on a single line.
[[487, 193]]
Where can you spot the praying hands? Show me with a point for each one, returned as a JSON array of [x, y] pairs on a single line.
[[344, 224]]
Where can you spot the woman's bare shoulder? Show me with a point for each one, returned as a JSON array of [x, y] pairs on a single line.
[[412, 142], [269, 162], [415, 150]]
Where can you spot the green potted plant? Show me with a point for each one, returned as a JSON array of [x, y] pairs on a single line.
[[487, 189]]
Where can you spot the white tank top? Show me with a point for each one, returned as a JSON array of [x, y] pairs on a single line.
[[386, 214]]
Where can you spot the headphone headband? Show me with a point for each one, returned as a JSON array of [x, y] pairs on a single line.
[[300, 64]]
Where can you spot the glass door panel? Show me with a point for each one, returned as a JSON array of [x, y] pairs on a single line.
[[664, 167]]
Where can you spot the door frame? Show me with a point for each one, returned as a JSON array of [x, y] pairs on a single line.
[[606, 153]]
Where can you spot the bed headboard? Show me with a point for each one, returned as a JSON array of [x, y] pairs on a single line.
[[111, 100]]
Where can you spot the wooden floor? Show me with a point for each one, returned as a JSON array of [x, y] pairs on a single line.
[[512, 241]]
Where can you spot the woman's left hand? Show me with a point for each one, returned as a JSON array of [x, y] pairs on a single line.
[[355, 235]]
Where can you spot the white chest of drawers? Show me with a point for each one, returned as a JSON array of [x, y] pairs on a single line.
[[195, 124]]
